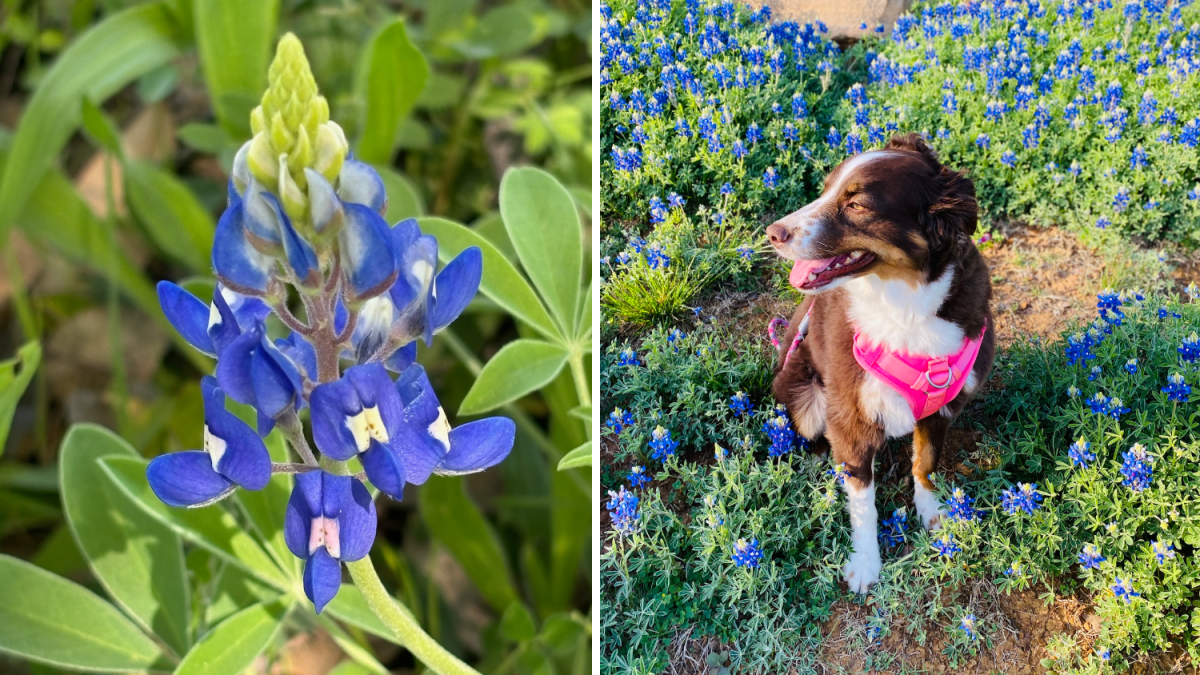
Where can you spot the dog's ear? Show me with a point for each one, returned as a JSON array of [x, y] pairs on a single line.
[[953, 212]]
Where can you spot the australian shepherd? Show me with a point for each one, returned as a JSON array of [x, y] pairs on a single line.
[[886, 263]]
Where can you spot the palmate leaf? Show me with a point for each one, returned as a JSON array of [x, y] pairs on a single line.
[[48, 619], [110, 55], [137, 560]]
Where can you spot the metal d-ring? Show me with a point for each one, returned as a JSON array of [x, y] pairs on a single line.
[[949, 379]]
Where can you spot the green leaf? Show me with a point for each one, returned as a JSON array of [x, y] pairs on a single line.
[[349, 606], [101, 128], [517, 624], [351, 668], [403, 199], [583, 412], [390, 78], [234, 38], [544, 227], [48, 619], [170, 214], [234, 644], [520, 367], [581, 456], [456, 522], [208, 138], [505, 30], [13, 383], [134, 557], [501, 280], [211, 527], [266, 507], [110, 55], [561, 632]]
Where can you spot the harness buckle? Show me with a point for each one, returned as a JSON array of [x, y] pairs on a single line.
[[936, 368]]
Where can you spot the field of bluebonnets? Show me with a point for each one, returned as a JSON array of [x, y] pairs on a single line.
[[1076, 473], [263, 261]]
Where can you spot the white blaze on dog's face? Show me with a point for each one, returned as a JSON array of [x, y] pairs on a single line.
[[875, 215]]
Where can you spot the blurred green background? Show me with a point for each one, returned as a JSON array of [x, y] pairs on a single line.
[[118, 125]]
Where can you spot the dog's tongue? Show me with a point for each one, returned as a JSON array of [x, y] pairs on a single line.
[[803, 268]]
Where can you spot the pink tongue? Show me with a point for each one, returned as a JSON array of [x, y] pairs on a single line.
[[803, 268]]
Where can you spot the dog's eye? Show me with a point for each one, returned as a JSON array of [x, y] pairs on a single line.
[[855, 206]]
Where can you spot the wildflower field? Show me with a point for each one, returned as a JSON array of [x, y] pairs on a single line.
[[1071, 480], [276, 282]]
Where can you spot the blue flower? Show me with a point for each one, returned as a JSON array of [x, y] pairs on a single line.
[[1021, 497], [945, 545], [623, 506], [330, 519], [834, 138], [637, 477], [1103, 653], [968, 626], [1177, 390], [1123, 588], [747, 553], [1162, 551], [1073, 391], [656, 258], [1016, 569], [893, 532], [1103, 222], [1116, 408], [233, 456], [769, 178], [960, 507], [740, 404], [1164, 313], [1008, 158], [628, 358], [1080, 454], [618, 419], [661, 445], [1121, 199], [1098, 403], [1090, 557], [1095, 374], [1138, 159], [1189, 348], [983, 141], [745, 252], [1131, 366], [779, 430], [1137, 468]]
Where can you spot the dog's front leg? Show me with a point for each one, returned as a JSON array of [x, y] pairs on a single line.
[[928, 439], [858, 454]]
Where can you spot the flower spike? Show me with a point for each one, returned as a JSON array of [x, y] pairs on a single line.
[[330, 519]]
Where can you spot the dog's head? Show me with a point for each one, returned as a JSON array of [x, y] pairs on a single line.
[[895, 212]]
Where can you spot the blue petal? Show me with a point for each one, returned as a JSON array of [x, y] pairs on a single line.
[[187, 314], [357, 523], [276, 380], [456, 284], [261, 219], [303, 505], [300, 352], [384, 469], [234, 369], [300, 255], [477, 445], [331, 404], [412, 290], [402, 358], [368, 259], [236, 263], [426, 425], [224, 327], [324, 205], [186, 479], [245, 461], [373, 327], [322, 578], [358, 183], [376, 390], [421, 406]]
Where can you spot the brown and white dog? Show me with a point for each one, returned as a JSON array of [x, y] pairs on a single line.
[[885, 251]]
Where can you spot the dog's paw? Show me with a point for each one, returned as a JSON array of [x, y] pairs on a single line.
[[933, 521], [862, 570], [930, 510]]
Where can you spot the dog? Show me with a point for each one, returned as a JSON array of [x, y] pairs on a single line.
[[886, 262]]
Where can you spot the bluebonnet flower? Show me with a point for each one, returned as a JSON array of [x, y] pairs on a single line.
[[1008, 158], [658, 211], [747, 553], [1095, 374], [623, 506], [1116, 408], [959, 506], [1189, 348], [1104, 653], [769, 178], [674, 336], [1164, 313], [839, 472], [983, 141], [1079, 453], [745, 252], [1177, 390], [628, 358], [1021, 497], [627, 160], [726, 190], [661, 445], [1108, 304], [1074, 169], [1123, 588], [1162, 551], [893, 528], [834, 138], [286, 224], [1137, 468], [1016, 569], [656, 258], [1103, 222], [1138, 159], [675, 201], [779, 430], [637, 244], [1073, 391], [1030, 137], [946, 546], [1090, 557], [618, 419], [968, 626], [623, 258], [1078, 349], [740, 404], [697, 310], [637, 477], [1131, 366], [1121, 199]]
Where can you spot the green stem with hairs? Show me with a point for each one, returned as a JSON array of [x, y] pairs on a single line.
[[402, 624]]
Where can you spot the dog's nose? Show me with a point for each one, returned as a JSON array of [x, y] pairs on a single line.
[[778, 234]]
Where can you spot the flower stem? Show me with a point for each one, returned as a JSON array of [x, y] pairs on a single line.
[[402, 624]]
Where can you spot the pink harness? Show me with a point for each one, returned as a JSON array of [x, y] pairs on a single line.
[[926, 382]]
